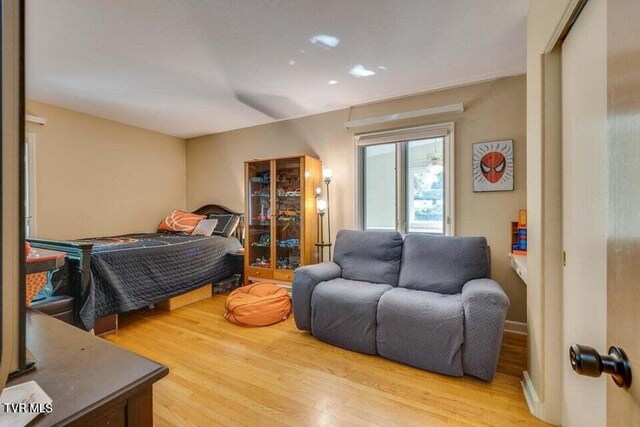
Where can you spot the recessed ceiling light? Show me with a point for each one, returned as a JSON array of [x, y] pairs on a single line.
[[360, 71], [333, 82], [382, 67], [291, 62], [325, 40]]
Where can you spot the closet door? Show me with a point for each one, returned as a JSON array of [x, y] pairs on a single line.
[[585, 200]]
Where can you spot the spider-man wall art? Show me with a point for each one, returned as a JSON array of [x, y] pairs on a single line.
[[493, 166]]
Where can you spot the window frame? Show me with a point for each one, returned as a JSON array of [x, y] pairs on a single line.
[[401, 137]]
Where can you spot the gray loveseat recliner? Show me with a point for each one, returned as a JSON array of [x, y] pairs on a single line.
[[426, 301]]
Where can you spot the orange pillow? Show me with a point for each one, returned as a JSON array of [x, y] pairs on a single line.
[[261, 304], [180, 221]]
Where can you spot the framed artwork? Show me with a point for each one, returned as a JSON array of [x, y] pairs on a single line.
[[493, 166]]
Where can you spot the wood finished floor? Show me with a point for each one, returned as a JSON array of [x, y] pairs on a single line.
[[227, 375]]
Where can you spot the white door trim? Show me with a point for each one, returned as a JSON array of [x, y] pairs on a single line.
[[536, 406], [30, 149]]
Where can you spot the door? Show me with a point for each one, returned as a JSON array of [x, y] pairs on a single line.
[[623, 243], [11, 221], [584, 174], [601, 206]]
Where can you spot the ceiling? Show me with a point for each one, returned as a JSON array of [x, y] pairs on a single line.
[[196, 67]]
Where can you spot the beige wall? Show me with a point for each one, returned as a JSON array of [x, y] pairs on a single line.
[[545, 21], [97, 177], [493, 110]]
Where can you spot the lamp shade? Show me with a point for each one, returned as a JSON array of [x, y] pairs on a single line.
[[321, 205], [436, 165], [318, 191], [327, 174]]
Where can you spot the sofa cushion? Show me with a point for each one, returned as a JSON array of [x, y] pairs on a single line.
[[442, 264], [305, 280], [422, 329], [343, 313], [369, 256]]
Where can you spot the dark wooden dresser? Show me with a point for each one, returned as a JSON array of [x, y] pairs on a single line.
[[91, 381]]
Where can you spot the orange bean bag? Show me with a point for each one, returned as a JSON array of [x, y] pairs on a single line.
[[261, 304]]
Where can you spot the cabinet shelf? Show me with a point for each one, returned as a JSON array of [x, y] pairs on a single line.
[[291, 182]]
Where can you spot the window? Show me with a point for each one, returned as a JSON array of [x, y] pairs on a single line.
[[380, 186], [405, 180]]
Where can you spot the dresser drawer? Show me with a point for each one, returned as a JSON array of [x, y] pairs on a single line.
[[260, 273], [284, 275]]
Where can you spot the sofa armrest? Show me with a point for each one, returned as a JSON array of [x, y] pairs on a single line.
[[305, 280], [485, 310]]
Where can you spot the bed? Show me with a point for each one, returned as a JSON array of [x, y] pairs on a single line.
[[112, 275]]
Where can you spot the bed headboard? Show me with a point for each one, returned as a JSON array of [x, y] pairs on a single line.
[[222, 210]]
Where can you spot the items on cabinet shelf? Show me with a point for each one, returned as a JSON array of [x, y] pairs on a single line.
[[265, 241], [288, 176], [261, 218], [262, 262], [288, 192], [288, 263], [263, 178], [259, 193], [519, 234], [290, 243]]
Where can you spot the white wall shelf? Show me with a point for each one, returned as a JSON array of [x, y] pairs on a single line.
[[519, 264]]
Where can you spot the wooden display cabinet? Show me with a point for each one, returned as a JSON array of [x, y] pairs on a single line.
[[281, 218]]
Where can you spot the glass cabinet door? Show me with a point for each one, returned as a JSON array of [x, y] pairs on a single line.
[[259, 215], [288, 213]]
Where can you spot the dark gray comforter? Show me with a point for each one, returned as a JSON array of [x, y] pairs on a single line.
[[133, 271]]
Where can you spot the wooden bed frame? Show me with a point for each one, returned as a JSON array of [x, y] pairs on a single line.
[[222, 210], [79, 262]]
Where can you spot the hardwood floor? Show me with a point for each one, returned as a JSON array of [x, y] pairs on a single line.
[[222, 374]]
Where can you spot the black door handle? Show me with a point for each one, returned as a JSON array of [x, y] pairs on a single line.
[[587, 361]]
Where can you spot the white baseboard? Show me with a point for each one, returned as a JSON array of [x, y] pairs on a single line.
[[515, 327], [536, 407]]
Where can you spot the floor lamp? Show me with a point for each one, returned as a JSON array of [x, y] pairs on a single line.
[[321, 207], [327, 174]]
